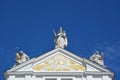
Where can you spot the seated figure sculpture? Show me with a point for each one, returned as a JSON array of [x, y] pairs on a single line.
[[97, 58], [21, 57]]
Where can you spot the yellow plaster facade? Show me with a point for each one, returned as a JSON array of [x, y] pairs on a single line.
[[59, 63]]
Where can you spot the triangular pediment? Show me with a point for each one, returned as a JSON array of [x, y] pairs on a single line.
[[58, 60]]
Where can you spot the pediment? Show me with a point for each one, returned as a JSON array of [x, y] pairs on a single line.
[[58, 60]]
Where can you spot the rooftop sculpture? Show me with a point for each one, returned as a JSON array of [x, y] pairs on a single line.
[[21, 57], [97, 58], [60, 39]]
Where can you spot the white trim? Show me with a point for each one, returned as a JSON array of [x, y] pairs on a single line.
[[61, 73], [21, 65], [96, 65], [53, 52]]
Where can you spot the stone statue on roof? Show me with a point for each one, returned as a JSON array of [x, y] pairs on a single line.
[[97, 58], [60, 39], [21, 57]]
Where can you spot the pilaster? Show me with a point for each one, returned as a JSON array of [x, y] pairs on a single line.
[[28, 77]]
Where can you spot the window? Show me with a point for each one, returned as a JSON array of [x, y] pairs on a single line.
[[66, 79], [51, 79]]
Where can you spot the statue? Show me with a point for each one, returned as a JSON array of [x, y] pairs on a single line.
[[60, 39], [97, 58], [21, 57]]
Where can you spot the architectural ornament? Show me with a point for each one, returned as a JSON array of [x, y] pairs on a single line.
[[60, 39]]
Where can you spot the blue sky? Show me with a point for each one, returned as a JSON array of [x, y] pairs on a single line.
[[90, 25]]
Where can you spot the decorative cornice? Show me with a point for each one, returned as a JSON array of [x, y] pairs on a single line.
[[59, 73]]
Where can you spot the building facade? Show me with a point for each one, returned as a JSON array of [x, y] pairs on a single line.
[[59, 64]]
